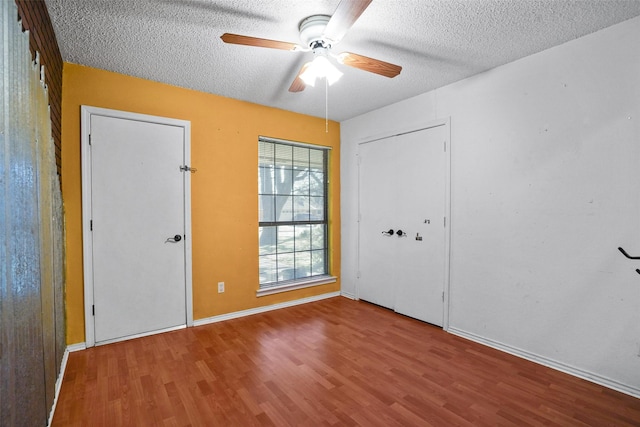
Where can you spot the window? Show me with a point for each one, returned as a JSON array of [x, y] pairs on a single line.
[[292, 192]]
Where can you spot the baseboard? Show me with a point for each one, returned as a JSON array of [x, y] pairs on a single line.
[[77, 347], [348, 295], [550, 363], [257, 310], [63, 367]]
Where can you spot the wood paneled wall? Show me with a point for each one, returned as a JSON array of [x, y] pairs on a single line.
[[35, 18]]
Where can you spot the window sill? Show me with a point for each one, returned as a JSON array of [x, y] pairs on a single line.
[[298, 284]]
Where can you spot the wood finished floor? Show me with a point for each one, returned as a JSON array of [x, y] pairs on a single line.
[[332, 362]]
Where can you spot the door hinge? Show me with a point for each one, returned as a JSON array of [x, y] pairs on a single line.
[[445, 221], [445, 146], [442, 296], [93, 310], [89, 139], [91, 225], [358, 275], [186, 168]]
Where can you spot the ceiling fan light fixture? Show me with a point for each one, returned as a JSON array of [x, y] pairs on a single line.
[[309, 76], [328, 70], [320, 67]]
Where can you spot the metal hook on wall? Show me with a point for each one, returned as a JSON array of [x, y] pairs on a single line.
[[630, 257], [627, 255]]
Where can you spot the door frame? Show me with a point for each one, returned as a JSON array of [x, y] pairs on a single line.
[[447, 203], [87, 241]]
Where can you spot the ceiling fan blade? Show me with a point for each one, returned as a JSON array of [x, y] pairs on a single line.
[[343, 18], [298, 84], [258, 42], [369, 64]]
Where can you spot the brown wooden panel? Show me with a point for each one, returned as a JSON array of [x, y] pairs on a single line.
[[35, 18]]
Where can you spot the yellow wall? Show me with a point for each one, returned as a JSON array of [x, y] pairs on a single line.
[[224, 144]]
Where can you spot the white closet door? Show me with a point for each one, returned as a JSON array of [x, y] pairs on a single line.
[[420, 212], [402, 187], [377, 199]]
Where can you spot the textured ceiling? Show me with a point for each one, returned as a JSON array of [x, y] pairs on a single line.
[[437, 42]]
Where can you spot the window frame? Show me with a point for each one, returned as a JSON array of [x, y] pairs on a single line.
[[277, 286]]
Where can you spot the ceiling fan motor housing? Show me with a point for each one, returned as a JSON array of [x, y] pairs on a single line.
[[312, 31]]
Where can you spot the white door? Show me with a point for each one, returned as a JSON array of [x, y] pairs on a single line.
[[377, 191], [137, 211], [402, 188]]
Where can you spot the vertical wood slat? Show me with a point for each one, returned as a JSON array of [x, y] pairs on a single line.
[[35, 18], [22, 389], [47, 180]]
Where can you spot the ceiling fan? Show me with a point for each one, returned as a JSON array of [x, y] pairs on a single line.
[[319, 34]]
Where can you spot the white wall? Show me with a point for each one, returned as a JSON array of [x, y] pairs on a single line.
[[545, 186]]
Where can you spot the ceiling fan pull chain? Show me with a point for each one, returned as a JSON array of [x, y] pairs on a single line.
[[326, 105]]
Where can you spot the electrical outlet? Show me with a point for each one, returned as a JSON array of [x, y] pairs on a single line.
[[220, 287]]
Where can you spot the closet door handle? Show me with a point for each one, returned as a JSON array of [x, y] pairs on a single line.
[[389, 233]]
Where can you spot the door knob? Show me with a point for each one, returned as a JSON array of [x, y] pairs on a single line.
[[174, 239], [388, 233], [401, 233]]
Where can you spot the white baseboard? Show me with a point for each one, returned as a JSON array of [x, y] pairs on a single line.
[[550, 363], [63, 367], [76, 347], [257, 310], [348, 295]]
